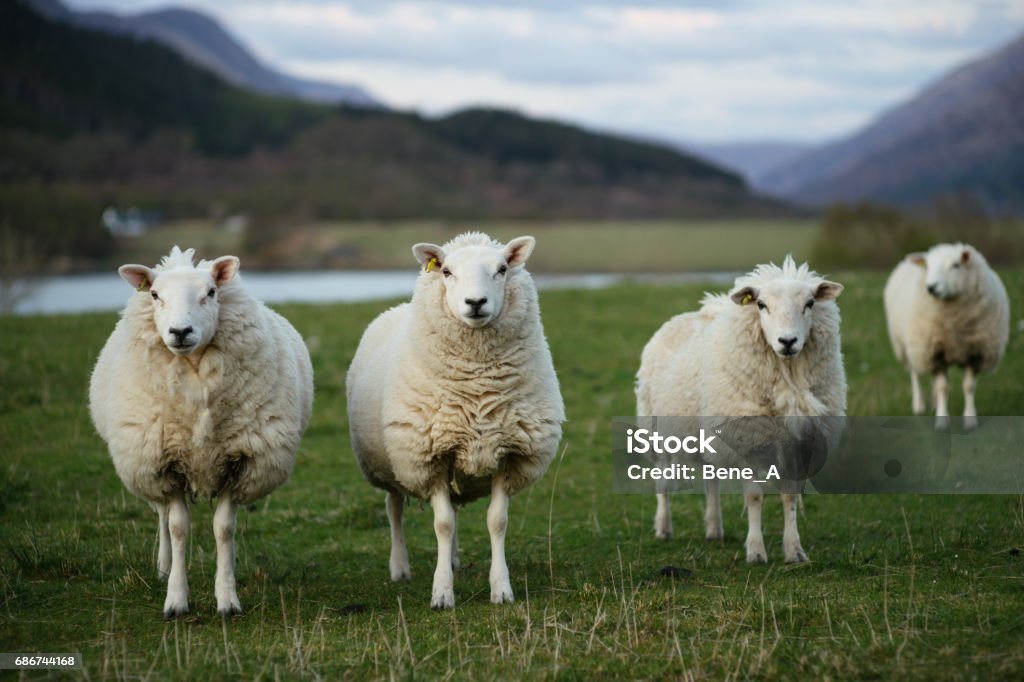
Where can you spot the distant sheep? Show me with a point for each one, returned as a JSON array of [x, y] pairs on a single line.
[[770, 348], [200, 390], [947, 307], [454, 396]]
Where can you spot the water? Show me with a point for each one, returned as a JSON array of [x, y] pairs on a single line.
[[106, 292]]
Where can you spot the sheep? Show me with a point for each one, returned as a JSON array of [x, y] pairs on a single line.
[[947, 307], [770, 348], [454, 395], [200, 391]]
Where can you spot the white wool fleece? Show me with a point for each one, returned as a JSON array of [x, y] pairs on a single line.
[[434, 402], [232, 423]]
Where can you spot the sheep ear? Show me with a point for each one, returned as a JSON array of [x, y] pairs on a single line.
[[828, 291], [139, 276], [430, 256], [744, 296], [917, 259], [224, 269], [518, 251]]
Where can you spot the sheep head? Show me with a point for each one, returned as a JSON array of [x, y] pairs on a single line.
[[474, 274], [185, 299], [784, 299]]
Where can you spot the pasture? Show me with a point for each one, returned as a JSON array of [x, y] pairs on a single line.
[[897, 587]]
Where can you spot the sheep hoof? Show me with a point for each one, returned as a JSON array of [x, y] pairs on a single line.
[[400, 573], [663, 534], [942, 423], [442, 601], [798, 558], [714, 534], [970, 423], [502, 594], [756, 554], [170, 613], [233, 610]]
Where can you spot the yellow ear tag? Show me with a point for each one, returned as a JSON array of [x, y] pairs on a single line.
[[747, 299], [143, 286], [431, 264]]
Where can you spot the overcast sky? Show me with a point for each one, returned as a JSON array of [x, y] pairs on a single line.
[[705, 70]]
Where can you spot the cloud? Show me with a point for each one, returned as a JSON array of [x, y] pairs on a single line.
[[803, 69]]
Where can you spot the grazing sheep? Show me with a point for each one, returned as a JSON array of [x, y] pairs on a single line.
[[947, 307], [203, 391], [770, 348], [453, 396]]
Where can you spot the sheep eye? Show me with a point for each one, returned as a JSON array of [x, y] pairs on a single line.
[[446, 272], [155, 297], [956, 265], [503, 269], [761, 306], [810, 304], [211, 292]]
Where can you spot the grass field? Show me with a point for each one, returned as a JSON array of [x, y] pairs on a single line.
[[641, 246], [928, 587]]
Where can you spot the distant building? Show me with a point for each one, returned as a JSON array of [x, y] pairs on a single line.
[[130, 223]]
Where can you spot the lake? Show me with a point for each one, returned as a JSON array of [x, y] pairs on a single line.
[[104, 292]]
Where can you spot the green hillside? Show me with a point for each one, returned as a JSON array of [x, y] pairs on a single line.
[[90, 120]]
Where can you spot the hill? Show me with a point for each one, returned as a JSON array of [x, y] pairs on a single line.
[[964, 134], [89, 119], [203, 41]]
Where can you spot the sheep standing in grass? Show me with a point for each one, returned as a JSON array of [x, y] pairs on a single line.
[[947, 307], [770, 348], [453, 396], [200, 390]]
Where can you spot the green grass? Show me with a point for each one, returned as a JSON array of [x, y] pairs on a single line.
[[898, 586], [640, 246]]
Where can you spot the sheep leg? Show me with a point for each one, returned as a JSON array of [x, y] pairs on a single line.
[[456, 564], [443, 596], [399, 562], [970, 411], [756, 553], [497, 524], [940, 389], [917, 400], [791, 547], [663, 518], [178, 521], [163, 556], [224, 519], [714, 529]]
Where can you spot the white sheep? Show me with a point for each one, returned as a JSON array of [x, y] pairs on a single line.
[[200, 390], [453, 396], [770, 348], [945, 308]]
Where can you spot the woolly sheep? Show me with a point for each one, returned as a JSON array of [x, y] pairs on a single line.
[[947, 307], [768, 348], [453, 396], [202, 391]]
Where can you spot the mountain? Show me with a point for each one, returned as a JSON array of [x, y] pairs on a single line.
[[204, 42], [91, 119], [754, 160], [964, 134]]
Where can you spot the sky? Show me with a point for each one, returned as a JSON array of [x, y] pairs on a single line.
[[702, 71]]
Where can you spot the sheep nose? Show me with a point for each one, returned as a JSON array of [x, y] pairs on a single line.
[[180, 333], [476, 302], [933, 289], [788, 343]]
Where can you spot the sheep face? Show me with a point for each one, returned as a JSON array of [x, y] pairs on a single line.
[[786, 311], [186, 308], [947, 267], [474, 277]]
